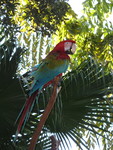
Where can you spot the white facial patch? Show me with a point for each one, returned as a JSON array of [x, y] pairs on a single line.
[[70, 47], [67, 46]]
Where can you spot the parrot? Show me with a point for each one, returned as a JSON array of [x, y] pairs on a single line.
[[54, 64]]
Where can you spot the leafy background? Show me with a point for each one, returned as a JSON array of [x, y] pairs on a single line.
[[84, 108]]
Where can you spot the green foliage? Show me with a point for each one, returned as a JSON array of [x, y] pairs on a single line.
[[84, 106], [10, 90], [43, 15], [96, 36]]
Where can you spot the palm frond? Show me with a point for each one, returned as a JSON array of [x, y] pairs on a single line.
[[11, 95], [83, 105]]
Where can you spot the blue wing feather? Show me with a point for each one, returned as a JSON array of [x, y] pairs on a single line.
[[43, 74]]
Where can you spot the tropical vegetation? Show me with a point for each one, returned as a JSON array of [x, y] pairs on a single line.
[[83, 111]]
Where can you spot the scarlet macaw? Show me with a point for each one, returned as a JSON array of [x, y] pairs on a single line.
[[55, 63]]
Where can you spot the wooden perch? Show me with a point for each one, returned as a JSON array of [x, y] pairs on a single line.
[[45, 114]]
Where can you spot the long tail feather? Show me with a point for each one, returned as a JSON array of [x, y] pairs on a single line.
[[26, 111]]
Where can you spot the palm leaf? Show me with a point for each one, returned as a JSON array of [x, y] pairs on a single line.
[[11, 95], [82, 106]]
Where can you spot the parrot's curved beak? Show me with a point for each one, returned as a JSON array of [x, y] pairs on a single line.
[[72, 49]]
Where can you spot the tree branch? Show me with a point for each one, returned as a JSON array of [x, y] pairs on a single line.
[[45, 114]]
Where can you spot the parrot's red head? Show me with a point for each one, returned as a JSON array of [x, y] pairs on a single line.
[[67, 46]]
